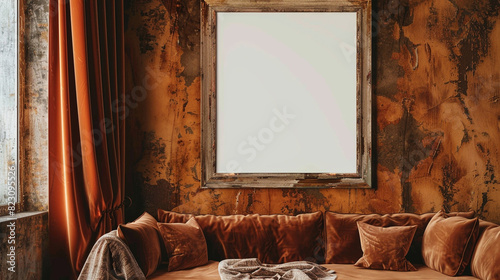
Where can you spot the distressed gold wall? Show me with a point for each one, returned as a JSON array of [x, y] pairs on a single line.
[[31, 230], [34, 125], [437, 110]]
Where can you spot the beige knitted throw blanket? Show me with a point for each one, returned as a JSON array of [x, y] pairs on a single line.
[[111, 259], [248, 269]]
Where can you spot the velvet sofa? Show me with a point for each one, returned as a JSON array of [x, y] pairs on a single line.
[[394, 246]]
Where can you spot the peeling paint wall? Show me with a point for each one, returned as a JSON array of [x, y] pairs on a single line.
[[31, 226], [436, 100], [8, 101], [34, 129], [31, 234]]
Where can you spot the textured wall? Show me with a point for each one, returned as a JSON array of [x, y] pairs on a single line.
[[8, 101], [437, 110], [28, 233], [31, 232], [34, 128]]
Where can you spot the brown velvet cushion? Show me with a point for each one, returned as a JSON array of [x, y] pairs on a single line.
[[185, 244], [300, 238], [234, 236], [448, 243], [270, 238], [142, 238], [485, 263], [385, 248], [342, 237]]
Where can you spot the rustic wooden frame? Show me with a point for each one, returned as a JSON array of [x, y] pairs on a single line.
[[210, 178]]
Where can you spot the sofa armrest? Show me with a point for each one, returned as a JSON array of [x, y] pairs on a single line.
[[111, 258]]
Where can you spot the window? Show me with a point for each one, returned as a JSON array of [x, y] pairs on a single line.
[[9, 96], [286, 94]]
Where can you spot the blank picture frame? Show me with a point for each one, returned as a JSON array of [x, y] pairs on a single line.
[[286, 94]]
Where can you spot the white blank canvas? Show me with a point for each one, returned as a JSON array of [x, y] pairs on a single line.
[[286, 92]]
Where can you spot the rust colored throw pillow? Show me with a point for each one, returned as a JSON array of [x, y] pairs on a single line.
[[185, 244], [142, 238], [233, 236], [485, 263], [385, 247], [270, 238], [300, 238], [342, 238], [448, 243]]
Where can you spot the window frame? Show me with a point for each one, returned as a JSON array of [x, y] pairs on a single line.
[[19, 205]]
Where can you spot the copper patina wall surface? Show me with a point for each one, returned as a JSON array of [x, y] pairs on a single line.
[[436, 85]]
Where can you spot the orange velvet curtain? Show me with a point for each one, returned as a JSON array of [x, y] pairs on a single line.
[[86, 128]]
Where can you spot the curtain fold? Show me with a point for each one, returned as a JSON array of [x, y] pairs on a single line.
[[86, 128]]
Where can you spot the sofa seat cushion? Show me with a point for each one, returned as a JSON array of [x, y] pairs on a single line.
[[351, 272], [208, 271], [343, 271], [269, 238]]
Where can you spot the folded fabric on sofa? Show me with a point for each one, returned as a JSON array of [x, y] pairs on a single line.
[[247, 269], [111, 259]]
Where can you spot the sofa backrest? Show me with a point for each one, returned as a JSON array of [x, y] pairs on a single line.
[[282, 238], [270, 238], [342, 237]]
